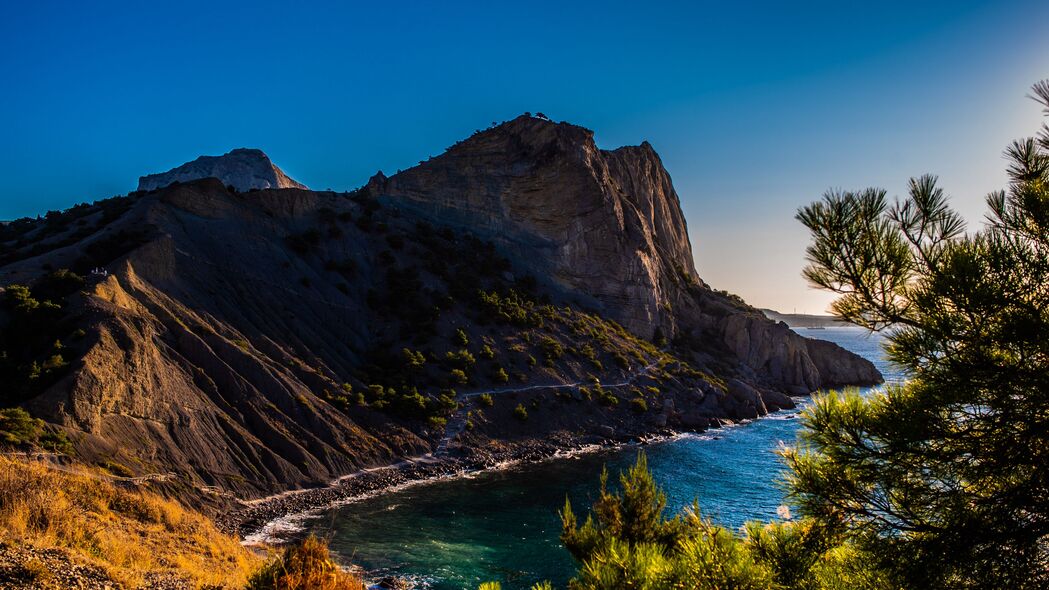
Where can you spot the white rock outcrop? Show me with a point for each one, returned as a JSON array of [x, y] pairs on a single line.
[[243, 169]]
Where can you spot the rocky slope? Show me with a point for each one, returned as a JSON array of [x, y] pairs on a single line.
[[606, 227], [253, 342], [243, 169]]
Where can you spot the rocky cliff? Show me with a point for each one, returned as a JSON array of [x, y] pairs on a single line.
[[257, 342], [607, 227], [243, 169]]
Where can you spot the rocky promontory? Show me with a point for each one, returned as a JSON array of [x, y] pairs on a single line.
[[244, 169], [524, 286]]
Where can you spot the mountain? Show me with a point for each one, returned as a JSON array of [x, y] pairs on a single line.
[[606, 228], [523, 290], [804, 320], [244, 169]]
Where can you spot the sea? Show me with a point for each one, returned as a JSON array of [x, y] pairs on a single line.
[[503, 525]]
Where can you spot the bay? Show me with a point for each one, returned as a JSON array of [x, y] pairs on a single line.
[[503, 525]]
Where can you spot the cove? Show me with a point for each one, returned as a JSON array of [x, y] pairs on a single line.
[[503, 525]]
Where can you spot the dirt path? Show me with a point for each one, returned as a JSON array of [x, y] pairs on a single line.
[[457, 422]]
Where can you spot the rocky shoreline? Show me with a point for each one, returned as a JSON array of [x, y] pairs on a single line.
[[259, 521]]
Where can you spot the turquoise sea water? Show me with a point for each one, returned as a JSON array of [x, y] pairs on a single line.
[[503, 525]]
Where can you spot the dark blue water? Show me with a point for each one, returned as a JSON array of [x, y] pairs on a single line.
[[504, 526]]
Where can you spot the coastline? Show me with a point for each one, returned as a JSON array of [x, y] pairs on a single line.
[[278, 518], [274, 519]]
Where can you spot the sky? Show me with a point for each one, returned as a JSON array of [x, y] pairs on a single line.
[[756, 108]]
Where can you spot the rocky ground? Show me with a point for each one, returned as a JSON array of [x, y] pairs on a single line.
[[23, 567]]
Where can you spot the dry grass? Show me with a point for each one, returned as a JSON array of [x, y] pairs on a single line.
[[127, 532], [305, 566]]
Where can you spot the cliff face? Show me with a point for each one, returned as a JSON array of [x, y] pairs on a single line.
[[602, 225], [243, 169], [606, 226], [266, 340]]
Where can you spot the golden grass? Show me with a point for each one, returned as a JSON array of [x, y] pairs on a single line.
[[127, 532]]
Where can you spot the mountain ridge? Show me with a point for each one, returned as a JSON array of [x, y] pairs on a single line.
[[261, 341]]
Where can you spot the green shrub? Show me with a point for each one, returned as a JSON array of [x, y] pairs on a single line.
[[486, 352], [17, 427], [606, 397], [588, 352], [413, 361], [461, 338], [501, 375], [551, 348], [32, 354], [485, 399], [56, 442], [520, 412], [410, 404], [447, 401], [511, 308], [639, 405], [460, 358], [458, 376], [628, 543]]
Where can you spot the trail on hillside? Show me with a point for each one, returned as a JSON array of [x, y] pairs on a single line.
[[457, 422]]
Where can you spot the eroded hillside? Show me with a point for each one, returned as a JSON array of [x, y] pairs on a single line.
[[523, 286]]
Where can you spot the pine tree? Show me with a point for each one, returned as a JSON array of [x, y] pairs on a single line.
[[944, 479]]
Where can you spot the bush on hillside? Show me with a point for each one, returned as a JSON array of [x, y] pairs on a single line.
[[304, 566], [17, 427], [520, 412]]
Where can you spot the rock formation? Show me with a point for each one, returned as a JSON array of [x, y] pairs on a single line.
[[251, 342], [243, 169], [606, 226]]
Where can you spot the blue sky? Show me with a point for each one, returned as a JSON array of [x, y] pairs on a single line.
[[755, 108]]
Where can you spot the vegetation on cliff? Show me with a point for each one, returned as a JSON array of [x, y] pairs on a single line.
[[38, 335]]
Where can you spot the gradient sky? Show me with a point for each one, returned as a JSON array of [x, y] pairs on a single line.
[[755, 108]]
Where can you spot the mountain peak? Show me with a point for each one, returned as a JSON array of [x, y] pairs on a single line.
[[242, 168]]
